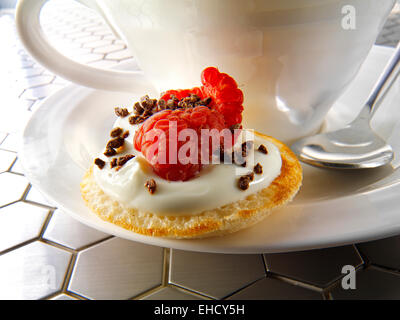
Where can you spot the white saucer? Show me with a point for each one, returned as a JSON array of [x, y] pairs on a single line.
[[333, 208]]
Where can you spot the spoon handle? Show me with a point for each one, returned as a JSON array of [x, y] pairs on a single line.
[[385, 80]]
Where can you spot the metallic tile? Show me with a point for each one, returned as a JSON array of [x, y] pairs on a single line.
[[97, 44], [12, 142], [215, 275], [63, 296], [69, 232], [385, 252], [119, 55], [110, 48], [32, 271], [371, 283], [16, 167], [20, 222], [274, 289], [39, 92], [117, 269], [12, 187], [35, 81], [3, 135], [172, 293], [35, 195], [87, 39], [32, 72], [7, 158], [317, 267]]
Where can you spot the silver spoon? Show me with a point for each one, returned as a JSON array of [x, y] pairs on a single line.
[[356, 146]]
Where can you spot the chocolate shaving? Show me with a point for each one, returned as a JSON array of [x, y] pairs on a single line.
[[100, 163], [116, 132], [263, 149], [250, 176], [125, 134], [135, 120], [205, 101], [116, 143], [161, 105], [121, 112], [258, 168], [246, 147], [138, 108], [243, 182], [124, 159], [110, 152], [235, 127], [113, 163], [151, 185]]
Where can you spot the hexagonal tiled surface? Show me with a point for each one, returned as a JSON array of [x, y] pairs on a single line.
[[214, 275], [33, 195], [6, 160], [44, 253], [20, 222], [317, 267], [63, 297], [33, 271], [274, 289], [383, 252], [69, 232], [371, 283], [12, 188], [172, 293], [117, 269]]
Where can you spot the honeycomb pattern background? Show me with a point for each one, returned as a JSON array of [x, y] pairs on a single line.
[[45, 254]]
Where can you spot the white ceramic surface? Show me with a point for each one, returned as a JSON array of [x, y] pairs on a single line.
[[332, 208]]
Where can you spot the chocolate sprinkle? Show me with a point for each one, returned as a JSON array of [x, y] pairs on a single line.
[[258, 168], [110, 152], [138, 108], [113, 163], [116, 143], [250, 176], [235, 127], [125, 134], [100, 163], [116, 132], [151, 186], [135, 119], [244, 182], [124, 159], [121, 112], [263, 149], [246, 147]]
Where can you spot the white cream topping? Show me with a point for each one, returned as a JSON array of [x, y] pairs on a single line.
[[215, 186]]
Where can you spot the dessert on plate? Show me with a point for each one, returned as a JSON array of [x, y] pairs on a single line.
[[182, 166]]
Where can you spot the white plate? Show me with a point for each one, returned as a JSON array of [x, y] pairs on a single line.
[[333, 208]]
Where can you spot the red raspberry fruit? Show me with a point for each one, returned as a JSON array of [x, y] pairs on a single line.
[[157, 139], [226, 97]]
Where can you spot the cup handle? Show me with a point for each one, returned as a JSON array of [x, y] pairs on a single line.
[[34, 40]]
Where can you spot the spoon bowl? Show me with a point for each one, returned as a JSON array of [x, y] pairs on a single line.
[[355, 146]]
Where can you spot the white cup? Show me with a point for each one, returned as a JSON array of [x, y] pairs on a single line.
[[291, 58]]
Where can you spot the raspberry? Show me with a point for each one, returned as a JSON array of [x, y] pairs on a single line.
[[155, 135], [224, 110], [227, 98]]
